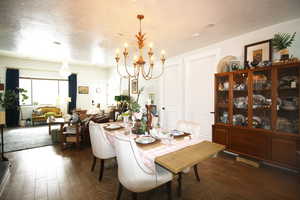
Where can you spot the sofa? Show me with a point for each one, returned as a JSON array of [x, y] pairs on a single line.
[[41, 114]]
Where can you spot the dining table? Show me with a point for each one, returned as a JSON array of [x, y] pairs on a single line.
[[175, 154]]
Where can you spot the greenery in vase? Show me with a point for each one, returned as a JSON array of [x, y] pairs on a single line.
[[10, 98], [283, 40], [134, 105]]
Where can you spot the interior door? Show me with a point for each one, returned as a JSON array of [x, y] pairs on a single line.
[[171, 96], [199, 91]]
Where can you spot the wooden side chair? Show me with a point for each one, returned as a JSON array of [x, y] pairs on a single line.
[[72, 134]]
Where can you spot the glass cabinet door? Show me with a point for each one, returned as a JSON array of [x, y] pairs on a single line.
[[288, 100], [222, 99], [240, 99], [262, 99]]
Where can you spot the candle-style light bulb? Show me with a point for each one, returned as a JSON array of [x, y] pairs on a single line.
[[163, 52], [125, 45], [117, 51], [135, 58], [151, 45]]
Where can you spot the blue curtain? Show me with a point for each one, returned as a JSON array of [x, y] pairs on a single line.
[[12, 83], [72, 92]]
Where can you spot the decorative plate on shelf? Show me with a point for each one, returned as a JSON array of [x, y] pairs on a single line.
[[224, 64], [238, 119]]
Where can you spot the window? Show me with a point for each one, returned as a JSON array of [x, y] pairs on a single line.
[[26, 84], [44, 91]]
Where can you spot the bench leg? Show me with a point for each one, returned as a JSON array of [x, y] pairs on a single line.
[[179, 184], [196, 173]]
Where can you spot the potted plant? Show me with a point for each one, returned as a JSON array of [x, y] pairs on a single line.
[[281, 42], [10, 98]]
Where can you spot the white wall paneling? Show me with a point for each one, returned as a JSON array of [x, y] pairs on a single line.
[[198, 90], [171, 93]]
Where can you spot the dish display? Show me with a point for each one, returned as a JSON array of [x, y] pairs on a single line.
[[240, 87], [288, 82], [240, 102], [223, 86], [285, 125], [239, 120], [145, 140], [289, 103], [260, 82], [261, 122]]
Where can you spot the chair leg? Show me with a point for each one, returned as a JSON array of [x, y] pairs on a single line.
[[196, 173], [169, 190], [120, 191], [94, 163], [101, 170], [134, 196], [179, 184]]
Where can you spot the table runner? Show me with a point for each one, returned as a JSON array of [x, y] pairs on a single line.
[[148, 155]]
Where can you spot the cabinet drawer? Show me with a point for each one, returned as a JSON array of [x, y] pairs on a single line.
[[220, 135], [249, 142], [284, 151]]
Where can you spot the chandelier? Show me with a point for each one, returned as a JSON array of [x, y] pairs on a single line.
[[139, 64]]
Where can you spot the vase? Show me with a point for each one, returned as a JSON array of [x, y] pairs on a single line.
[[284, 54], [125, 119]]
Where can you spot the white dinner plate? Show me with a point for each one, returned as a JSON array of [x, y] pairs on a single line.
[[176, 133], [113, 126], [145, 140]]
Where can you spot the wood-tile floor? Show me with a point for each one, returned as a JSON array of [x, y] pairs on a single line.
[[47, 173]]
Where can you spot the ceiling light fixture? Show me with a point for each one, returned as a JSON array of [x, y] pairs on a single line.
[[139, 63], [65, 70]]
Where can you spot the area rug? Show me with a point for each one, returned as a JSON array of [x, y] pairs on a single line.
[[26, 138]]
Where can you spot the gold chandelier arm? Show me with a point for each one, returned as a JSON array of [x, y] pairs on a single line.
[[123, 76], [147, 76], [127, 71], [148, 73], [161, 73]]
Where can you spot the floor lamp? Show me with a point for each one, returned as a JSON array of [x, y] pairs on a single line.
[[2, 123]]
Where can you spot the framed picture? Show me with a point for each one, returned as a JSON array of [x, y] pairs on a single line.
[[1, 86], [258, 52], [83, 89], [134, 86]]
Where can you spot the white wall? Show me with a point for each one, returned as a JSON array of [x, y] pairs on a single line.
[[94, 77]]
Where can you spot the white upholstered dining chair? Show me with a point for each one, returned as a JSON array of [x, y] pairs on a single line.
[[194, 129], [132, 172], [102, 149]]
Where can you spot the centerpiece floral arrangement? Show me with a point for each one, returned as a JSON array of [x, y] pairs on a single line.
[[136, 113]]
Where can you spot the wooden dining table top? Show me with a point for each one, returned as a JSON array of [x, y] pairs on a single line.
[[189, 156], [177, 161]]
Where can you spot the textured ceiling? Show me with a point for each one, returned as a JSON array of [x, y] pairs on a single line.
[[90, 30]]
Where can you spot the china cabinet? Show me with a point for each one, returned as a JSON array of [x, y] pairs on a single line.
[[257, 113]]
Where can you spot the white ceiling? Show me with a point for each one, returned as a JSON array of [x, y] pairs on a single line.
[[89, 30]]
